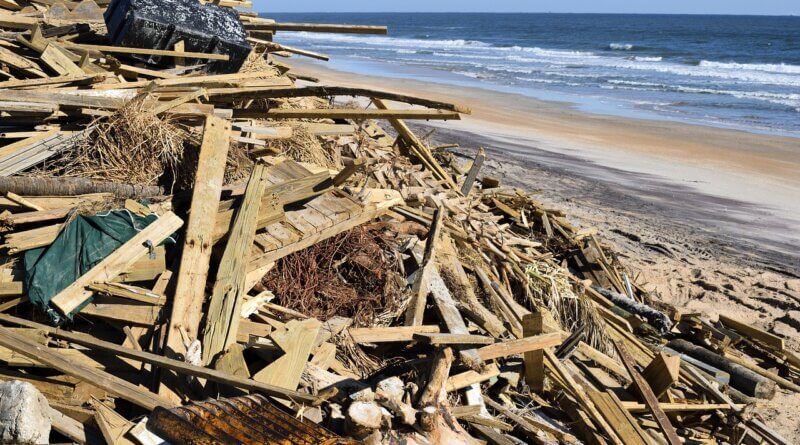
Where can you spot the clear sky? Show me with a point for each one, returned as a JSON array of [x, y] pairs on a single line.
[[772, 7]]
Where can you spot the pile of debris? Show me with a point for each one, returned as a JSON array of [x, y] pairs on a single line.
[[201, 246]]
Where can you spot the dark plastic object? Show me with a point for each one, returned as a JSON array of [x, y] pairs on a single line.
[[159, 24]]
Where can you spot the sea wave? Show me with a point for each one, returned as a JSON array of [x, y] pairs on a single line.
[[766, 67], [621, 46], [647, 59], [791, 100]]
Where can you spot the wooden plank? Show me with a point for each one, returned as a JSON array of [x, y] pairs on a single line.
[[448, 311], [55, 58], [390, 334], [297, 342], [120, 260], [637, 407], [223, 315], [565, 379], [646, 392], [422, 283], [189, 294], [345, 113], [620, 419], [101, 379], [466, 187], [178, 366], [753, 333], [468, 378], [519, 346], [148, 51], [533, 324], [453, 339]]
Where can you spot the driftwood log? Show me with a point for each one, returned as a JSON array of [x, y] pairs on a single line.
[[30, 186], [742, 378]]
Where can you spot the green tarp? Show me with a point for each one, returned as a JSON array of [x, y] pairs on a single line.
[[80, 246]]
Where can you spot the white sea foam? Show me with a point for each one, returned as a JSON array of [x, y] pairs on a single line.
[[620, 46], [647, 59], [766, 67]]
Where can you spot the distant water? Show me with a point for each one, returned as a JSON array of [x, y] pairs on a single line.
[[728, 71]]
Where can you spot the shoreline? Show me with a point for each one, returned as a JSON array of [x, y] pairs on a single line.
[[742, 183]]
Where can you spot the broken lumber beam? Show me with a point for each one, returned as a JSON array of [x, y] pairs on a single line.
[[178, 366], [453, 339], [327, 91], [472, 174], [662, 372], [118, 262], [389, 334], [223, 315], [148, 51], [519, 346], [752, 333], [533, 324], [198, 241], [318, 27]]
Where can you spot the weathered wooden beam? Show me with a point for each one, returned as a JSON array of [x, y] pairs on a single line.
[[149, 51], [318, 27]]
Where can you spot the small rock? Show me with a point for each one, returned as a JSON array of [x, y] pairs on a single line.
[[24, 414]]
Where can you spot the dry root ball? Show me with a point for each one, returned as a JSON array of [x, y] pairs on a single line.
[[350, 275]]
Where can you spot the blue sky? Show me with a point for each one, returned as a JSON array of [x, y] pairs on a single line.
[[772, 7]]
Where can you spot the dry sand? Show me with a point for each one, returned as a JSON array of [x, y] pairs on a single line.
[[708, 218]]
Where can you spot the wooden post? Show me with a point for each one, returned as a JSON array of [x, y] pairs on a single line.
[[533, 324], [191, 281]]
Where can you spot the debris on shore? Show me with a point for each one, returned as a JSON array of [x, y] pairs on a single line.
[[200, 245]]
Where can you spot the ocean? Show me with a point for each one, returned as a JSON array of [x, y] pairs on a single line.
[[738, 72]]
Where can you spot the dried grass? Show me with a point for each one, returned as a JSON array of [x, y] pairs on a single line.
[[551, 289], [135, 146], [350, 275], [131, 146], [304, 146]]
